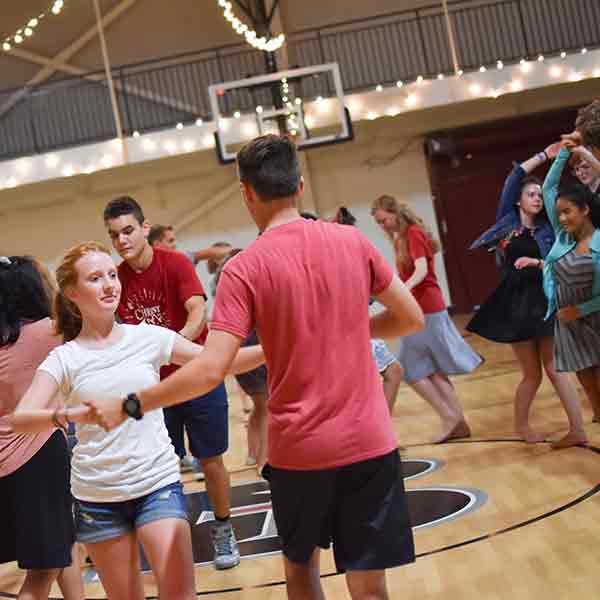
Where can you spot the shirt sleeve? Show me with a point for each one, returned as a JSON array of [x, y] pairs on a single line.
[[418, 243], [511, 191], [550, 188], [185, 277], [165, 340], [380, 271], [54, 366], [234, 305]]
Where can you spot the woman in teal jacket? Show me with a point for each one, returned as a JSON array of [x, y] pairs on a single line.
[[572, 278]]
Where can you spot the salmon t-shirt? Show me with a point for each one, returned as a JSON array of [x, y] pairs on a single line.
[[305, 287], [18, 363]]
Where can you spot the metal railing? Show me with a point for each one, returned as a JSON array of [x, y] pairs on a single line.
[[400, 46]]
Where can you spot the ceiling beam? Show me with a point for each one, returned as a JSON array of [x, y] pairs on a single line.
[[64, 55], [59, 63]]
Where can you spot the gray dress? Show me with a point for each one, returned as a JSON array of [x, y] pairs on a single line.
[[577, 343], [439, 348]]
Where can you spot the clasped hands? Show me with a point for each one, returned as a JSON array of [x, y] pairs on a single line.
[[107, 413]]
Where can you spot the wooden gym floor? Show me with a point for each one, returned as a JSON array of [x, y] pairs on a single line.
[[530, 530]]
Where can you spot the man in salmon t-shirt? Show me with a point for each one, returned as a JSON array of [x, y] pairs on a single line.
[[333, 465], [161, 287]]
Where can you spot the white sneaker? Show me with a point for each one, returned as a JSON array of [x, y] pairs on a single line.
[[227, 553]]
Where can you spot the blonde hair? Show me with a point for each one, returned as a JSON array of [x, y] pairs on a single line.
[[66, 314], [405, 217]]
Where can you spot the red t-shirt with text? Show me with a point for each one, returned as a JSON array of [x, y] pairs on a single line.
[[305, 287], [428, 293], [157, 296]]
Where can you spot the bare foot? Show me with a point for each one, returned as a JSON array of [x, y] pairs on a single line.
[[530, 436], [455, 432], [573, 438]]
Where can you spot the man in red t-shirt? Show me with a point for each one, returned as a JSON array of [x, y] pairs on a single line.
[[333, 465], [161, 287]]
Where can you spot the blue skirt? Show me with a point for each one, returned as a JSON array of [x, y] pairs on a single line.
[[439, 348]]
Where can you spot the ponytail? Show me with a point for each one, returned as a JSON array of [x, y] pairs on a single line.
[[67, 318]]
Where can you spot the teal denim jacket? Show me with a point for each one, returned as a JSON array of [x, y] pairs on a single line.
[[565, 242]]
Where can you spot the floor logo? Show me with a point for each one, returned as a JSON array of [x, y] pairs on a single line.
[[252, 514]]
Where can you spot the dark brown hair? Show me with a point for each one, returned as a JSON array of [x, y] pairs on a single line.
[[588, 124], [270, 165], [157, 233]]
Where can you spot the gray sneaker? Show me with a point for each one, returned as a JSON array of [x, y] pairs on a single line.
[[227, 554]]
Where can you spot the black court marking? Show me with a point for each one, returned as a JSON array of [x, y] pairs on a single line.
[[412, 468], [254, 523], [587, 495]]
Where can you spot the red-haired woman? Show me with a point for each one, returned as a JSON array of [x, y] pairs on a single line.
[[126, 482]]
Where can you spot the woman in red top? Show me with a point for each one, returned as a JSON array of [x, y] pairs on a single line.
[[428, 357]]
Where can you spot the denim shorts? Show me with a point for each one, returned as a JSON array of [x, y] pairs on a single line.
[[382, 355], [102, 521]]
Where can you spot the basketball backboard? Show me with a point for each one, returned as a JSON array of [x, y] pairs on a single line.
[[306, 103]]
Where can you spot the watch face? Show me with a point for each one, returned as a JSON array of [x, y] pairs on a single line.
[[130, 406]]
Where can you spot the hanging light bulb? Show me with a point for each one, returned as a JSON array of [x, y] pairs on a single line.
[[251, 37], [29, 29], [475, 89]]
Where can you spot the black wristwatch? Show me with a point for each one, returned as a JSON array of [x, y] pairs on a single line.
[[132, 407]]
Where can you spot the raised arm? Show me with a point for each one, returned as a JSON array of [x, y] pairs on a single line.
[[511, 191], [550, 188], [513, 183]]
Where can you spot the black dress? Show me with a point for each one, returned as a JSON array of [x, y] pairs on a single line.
[[515, 311]]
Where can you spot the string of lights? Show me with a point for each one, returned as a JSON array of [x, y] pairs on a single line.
[[260, 43], [29, 29], [515, 84], [490, 82]]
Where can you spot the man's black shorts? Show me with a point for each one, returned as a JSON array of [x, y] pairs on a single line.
[[360, 507]]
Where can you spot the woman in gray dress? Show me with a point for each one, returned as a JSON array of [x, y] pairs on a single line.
[[430, 356], [572, 279]]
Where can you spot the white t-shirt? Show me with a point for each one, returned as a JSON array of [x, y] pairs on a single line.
[[137, 457]]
